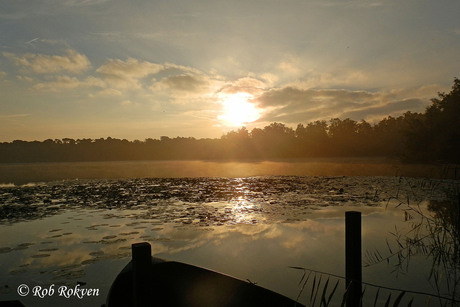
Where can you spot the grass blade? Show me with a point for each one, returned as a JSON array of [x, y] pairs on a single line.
[[317, 290], [313, 289], [304, 284], [376, 297], [387, 303], [332, 293], [323, 295], [345, 295], [398, 299]]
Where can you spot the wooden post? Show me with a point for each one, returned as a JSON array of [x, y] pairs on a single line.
[[458, 219], [353, 266], [142, 262]]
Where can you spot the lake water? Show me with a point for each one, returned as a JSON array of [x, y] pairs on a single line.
[[236, 218]]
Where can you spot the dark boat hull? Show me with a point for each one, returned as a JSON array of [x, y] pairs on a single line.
[[177, 284]]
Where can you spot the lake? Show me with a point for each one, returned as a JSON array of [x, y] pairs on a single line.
[[74, 223]]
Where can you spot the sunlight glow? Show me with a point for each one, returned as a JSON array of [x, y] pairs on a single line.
[[238, 110]]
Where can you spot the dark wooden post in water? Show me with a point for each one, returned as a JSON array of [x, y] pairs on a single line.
[[353, 267], [142, 262]]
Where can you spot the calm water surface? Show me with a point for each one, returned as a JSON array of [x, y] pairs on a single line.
[[80, 231]]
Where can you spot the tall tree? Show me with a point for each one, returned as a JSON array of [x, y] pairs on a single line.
[[435, 134]]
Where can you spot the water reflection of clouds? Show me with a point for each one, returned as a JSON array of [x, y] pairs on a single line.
[[76, 242], [66, 244]]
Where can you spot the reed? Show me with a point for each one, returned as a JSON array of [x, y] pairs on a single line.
[[434, 232]]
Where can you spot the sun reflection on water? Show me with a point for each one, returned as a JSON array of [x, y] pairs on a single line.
[[246, 212]]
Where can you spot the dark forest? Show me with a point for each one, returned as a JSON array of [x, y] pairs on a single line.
[[431, 136]]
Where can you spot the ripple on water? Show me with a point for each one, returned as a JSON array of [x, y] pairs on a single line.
[[67, 274], [55, 236], [40, 256], [109, 237], [48, 249], [18, 271], [97, 253], [23, 246], [4, 250], [128, 233], [89, 261], [113, 241]]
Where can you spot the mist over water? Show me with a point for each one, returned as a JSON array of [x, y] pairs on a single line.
[[21, 173]]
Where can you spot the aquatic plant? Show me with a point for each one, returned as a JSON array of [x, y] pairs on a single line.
[[434, 232]]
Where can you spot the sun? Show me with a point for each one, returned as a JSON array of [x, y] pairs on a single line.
[[238, 110]]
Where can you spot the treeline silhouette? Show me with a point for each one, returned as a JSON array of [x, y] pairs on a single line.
[[423, 137]]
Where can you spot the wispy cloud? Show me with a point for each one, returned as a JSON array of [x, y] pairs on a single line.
[[387, 108], [185, 82], [249, 84], [63, 83], [296, 105], [83, 2], [11, 116], [71, 62], [352, 4], [128, 73], [32, 40]]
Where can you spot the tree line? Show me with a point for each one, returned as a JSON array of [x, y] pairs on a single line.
[[430, 136]]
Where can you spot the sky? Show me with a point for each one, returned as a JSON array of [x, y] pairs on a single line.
[[150, 68]]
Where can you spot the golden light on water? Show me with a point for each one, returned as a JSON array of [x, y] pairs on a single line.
[[237, 110]]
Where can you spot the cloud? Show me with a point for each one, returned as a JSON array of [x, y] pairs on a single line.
[[71, 62], [170, 67], [352, 4], [248, 85], [269, 78], [114, 78], [15, 115], [297, 105], [128, 74], [185, 85], [61, 83], [389, 108], [290, 66], [127, 103], [83, 2], [310, 97], [25, 78], [108, 92], [188, 83]]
